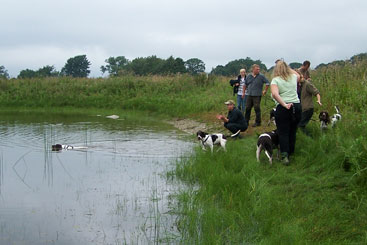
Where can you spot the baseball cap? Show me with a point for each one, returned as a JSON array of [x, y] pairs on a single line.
[[229, 102]]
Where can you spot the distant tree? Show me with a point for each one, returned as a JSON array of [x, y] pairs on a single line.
[[47, 71], [27, 73], [219, 70], [232, 68], [295, 65], [179, 66], [144, 66], [115, 65], [3, 73], [77, 66], [194, 66], [172, 66]]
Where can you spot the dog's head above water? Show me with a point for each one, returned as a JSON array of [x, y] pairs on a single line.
[[201, 135], [57, 147], [324, 117]]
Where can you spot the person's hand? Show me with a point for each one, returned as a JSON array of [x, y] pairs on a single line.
[[237, 84], [288, 106], [243, 96], [319, 102], [264, 92], [219, 117]]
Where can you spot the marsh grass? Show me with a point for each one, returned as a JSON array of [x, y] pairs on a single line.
[[172, 95]]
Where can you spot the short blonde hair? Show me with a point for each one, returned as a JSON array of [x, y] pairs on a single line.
[[282, 70], [243, 70]]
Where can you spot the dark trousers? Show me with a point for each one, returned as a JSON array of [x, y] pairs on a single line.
[[287, 122], [305, 118], [234, 127], [253, 101]]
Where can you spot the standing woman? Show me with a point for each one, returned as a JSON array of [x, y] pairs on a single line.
[[241, 96], [288, 110]]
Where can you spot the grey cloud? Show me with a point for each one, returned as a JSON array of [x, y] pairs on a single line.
[[41, 32]]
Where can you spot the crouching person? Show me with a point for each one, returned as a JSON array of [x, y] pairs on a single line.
[[235, 121]]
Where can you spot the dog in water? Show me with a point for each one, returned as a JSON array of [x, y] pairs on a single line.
[[209, 140], [324, 119], [60, 147], [267, 142], [336, 117]]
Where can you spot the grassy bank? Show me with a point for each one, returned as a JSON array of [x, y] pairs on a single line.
[[319, 198], [179, 95]]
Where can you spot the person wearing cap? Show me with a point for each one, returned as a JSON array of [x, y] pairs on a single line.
[[235, 121]]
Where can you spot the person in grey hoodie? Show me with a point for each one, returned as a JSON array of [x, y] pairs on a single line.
[[254, 88]]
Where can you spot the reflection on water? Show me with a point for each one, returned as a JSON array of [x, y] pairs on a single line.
[[110, 193]]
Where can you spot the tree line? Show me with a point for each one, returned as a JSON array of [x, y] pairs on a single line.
[[79, 66]]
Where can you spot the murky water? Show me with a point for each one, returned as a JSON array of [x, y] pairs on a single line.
[[111, 193]]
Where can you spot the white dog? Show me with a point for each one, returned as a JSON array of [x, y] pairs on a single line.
[[209, 140]]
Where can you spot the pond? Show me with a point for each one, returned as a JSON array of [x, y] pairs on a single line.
[[113, 191]]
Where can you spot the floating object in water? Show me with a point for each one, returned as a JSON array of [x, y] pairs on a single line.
[[113, 117]]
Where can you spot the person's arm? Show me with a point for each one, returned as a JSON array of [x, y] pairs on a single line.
[[314, 91], [243, 91], [223, 118], [265, 90], [318, 99], [266, 85], [275, 93]]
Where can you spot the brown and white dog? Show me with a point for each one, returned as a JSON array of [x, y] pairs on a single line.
[[324, 119], [209, 140], [267, 142]]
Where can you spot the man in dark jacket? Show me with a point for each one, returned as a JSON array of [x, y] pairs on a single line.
[[234, 122]]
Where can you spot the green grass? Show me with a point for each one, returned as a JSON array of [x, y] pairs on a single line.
[[320, 198]]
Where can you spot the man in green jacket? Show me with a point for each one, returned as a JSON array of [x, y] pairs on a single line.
[[308, 90]]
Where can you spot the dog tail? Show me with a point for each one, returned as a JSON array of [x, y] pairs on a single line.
[[337, 109]]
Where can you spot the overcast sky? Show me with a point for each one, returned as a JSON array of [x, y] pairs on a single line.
[[35, 33]]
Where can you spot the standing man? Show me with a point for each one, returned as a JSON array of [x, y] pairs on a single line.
[[234, 122], [306, 91], [254, 88]]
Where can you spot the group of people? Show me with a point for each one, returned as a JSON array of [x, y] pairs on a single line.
[[292, 91]]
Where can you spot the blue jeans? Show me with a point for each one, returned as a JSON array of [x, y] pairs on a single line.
[[241, 103]]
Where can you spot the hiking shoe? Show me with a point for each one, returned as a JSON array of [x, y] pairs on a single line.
[[236, 134], [285, 161], [256, 125]]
